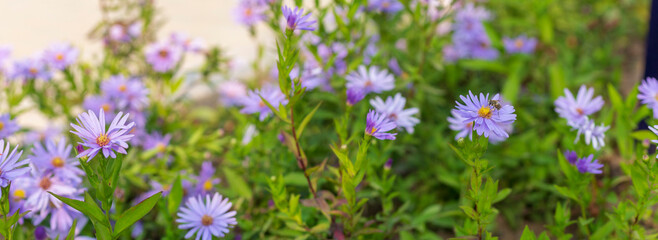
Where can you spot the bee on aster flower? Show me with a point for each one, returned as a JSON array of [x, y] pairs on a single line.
[[487, 120]]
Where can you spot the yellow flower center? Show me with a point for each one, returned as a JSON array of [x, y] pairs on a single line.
[[207, 185], [206, 220], [261, 104], [580, 111], [123, 88], [45, 183], [106, 107], [33, 71], [102, 140], [373, 130], [2, 125], [166, 187], [57, 162], [485, 112], [368, 83], [161, 147], [19, 194], [469, 125], [656, 97], [247, 12], [163, 53], [59, 57], [518, 43]]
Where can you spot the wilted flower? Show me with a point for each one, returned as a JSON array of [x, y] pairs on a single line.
[[520, 44], [206, 219], [7, 126], [60, 55], [56, 158], [370, 80], [649, 94], [250, 12], [10, 167], [385, 6], [231, 93], [91, 129], [296, 20], [487, 120], [393, 108], [594, 135], [586, 165], [576, 110], [378, 125], [163, 56], [254, 104]]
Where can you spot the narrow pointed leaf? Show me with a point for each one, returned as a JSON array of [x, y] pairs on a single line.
[[130, 216]]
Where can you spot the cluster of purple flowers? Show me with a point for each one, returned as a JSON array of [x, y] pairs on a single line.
[[123, 33], [393, 109], [42, 65], [252, 103], [367, 80], [584, 165], [165, 55], [469, 38], [251, 12], [489, 117], [577, 110]]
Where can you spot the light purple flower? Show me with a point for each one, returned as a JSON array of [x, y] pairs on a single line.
[[157, 141], [206, 181], [118, 33], [31, 68], [250, 12], [487, 119], [231, 93], [56, 158], [470, 12], [163, 56], [7, 126], [587, 165], [296, 20], [576, 110], [370, 80], [10, 167], [18, 194], [470, 39], [520, 44], [571, 157], [249, 134], [393, 109], [649, 94], [378, 125], [187, 43], [206, 219], [135, 29], [39, 200], [101, 102], [92, 130], [354, 95], [60, 55], [128, 93], [594, 135], [254, 104], [459, 123], [385, 6]]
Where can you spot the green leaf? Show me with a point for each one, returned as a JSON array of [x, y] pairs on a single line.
[[307, 119], [527, 234], [90, 209], [175, 197], [604, 231], [281, 115], [130, 216], [642, 135], [479, 65], [513, 83], [71, 235], [502, 195], [237, 183], [558, 84]]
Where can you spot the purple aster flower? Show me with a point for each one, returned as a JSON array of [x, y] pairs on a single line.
[[157, 141], [92, 130], [354, 95], [10, 167], [377, 125], [594, 135], [128, 93], [520, 44], [138, 229], [311, 76], [385, 6], [60, 55], [649, 94], [135, 29], [586, 165], [35, 136], [156, 187], [370, 80], [395, 66], [118, 33], [488, 120], [207, 219], [42, 203], [250, 12], [40, 233], [163, 56], [18, 194], [576, 110], [188, 43], [393, 109], [56, 158], [232, 92], [470, 12], [296, 20], [571, 157], [254, 104], [7, 126], [206, 182], [101, 102], [31, 68], [459, 123]]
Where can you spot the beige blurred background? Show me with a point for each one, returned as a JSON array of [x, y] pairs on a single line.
[[31, 25]]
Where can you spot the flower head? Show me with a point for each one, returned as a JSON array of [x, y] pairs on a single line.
[[354, 95], [39, 200], [250, 12], [92, 130], [649, 94], [370, 80], [206, 219], [576, 110], [378, 125], [187, 43], [385, 6], [10, 167], [594, 135], [586, 165], [205, 181], [520, 44], [393, 108], [571, 156], [104, 102], [459, 123], [489, 117], [296, 20], [60, 55], [231, 93], [7, 126], [31, 68], [254, 104], [157, 141], [127, 93], [163, 56], [56, 158]]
